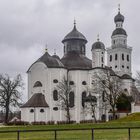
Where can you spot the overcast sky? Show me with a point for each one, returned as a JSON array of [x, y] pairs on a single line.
[[26, 26]]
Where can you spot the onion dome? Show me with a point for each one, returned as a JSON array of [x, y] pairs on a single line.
[[74, 35], [37, 100], [76, 61], [119, 31], [98, 44], [119, 17]]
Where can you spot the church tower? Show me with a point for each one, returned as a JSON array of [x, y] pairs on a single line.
[[98, 54], [119, 55]]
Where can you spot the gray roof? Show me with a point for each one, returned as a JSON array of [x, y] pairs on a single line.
[[74, 60], [98, 45], [119, 31], [119, 17], [56, 56], [37, 100], [126, 76], [49, 61], [74, 34]]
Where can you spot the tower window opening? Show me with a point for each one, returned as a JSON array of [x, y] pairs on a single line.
[[116, 56], [116, 66], [114, 42], [122, 56], [122, 66], [55, 95], [127, 57], [102, 59], [127, 67], [110, 58], [102, 65]]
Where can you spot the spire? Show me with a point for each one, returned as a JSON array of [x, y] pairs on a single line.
[[119, 8], [98, 39], [46, 48], [74, 23]]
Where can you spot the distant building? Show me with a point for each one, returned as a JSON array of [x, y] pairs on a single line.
[[48, 71]]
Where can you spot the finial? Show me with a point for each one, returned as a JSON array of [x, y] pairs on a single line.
[[98, 39], [54, 51], [46, 48], [74, 22], [119, 8]]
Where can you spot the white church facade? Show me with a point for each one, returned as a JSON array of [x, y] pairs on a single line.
[[45, 74]]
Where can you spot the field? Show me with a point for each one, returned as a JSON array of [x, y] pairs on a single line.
[[103, 134]]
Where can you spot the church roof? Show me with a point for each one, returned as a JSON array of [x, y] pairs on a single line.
[[119, 31], [37, 100], [98, 45], [74, 34], [74, 60], [49, 61]]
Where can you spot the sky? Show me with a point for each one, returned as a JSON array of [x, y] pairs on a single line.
[[28, 26]]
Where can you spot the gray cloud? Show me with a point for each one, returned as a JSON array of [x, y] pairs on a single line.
[[26, 26]]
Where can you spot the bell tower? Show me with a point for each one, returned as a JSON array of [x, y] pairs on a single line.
[[119, 54]]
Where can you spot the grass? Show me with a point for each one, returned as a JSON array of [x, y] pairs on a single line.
[[109, 134]]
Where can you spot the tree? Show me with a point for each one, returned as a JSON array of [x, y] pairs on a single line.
[[10, 94], [91, 104], [65, 100], [124, 102], [110, 85]]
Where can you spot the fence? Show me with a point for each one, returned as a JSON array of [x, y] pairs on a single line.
[[55, 132]]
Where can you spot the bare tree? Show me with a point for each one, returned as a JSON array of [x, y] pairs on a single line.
[[91, 105], [64, 91], [10, 94], [110, 85]]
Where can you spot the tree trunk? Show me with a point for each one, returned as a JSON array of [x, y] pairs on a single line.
[[114, 113], [68, 115], [7, 114]]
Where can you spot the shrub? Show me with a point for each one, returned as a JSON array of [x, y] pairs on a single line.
[[66, 122], [18, 123], [38, 123], [87, 121], [50, 122]]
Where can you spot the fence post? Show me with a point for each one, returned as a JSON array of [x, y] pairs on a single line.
[[129, 134], [55, 131], [92, 134], [18, 138]]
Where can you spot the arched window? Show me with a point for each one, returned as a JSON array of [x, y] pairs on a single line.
[[31, 110], [116, 56], [41, 110], [71, 99], [55, 95], [110, 58], [37, 84], [71, 83], [84, 94], [122, 66], [122, 56], [102, 59], [127, 57]]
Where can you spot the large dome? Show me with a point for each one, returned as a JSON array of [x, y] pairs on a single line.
[[119, 18], [98, 45], [119, 31], [76, 61], [74, 34]]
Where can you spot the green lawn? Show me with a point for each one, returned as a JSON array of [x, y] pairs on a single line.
[[113, 134]]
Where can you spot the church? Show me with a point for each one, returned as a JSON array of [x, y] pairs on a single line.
[[45, 74]]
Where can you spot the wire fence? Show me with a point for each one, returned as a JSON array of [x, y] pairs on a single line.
[[123, 133]]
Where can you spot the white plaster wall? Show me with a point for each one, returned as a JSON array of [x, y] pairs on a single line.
[[97, 55], [119, 62]]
